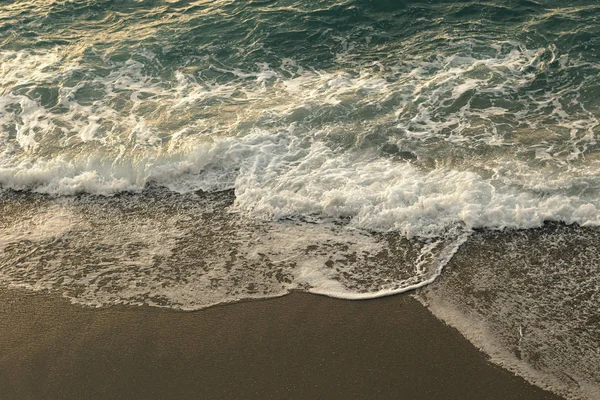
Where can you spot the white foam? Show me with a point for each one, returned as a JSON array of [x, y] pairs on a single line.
[[293, 141], [47, 224], [277, 176], [189, 252]]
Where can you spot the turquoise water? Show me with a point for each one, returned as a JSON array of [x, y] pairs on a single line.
[[184, 154]]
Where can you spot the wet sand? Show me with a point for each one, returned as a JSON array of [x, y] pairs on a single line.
[[299, 346]]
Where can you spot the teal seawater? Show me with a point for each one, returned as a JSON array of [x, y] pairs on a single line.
[[207, 40], [405, 116]]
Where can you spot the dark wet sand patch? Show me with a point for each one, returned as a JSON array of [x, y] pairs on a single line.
[[299, 346]]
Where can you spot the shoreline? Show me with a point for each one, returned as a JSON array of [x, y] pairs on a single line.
[[296, 346]]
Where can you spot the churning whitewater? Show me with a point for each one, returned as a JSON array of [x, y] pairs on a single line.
[[402, 133], [189, 153]]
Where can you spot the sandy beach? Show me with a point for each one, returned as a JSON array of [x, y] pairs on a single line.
[[298, 346]]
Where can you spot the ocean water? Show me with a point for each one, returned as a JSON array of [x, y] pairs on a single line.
[[185, 154]]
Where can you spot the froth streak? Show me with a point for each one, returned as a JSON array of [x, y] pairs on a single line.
[[193, 251]]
